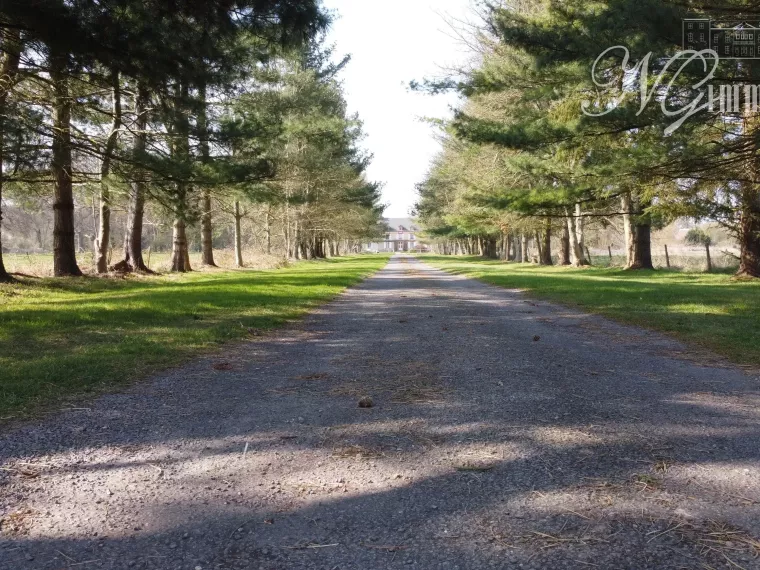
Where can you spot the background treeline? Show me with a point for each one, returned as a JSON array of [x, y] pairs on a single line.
[[521, 162], [224, 120]]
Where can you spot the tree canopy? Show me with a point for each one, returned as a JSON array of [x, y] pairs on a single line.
[[186, 106], [577, 112]]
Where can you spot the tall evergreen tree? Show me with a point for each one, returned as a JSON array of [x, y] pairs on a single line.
[[538, 61], [10, 53]]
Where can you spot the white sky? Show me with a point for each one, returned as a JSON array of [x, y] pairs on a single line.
[[391, 43]]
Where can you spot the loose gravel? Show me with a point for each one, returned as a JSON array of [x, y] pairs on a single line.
[[503, 433]]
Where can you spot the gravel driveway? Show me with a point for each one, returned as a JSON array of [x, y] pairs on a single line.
[[505, 433]]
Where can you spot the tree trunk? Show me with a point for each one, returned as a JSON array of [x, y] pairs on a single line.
[[638, 235], [297, 241], [103, 241], [539, 247], [564, 251], [133, 257], [580, 230], [626, 207], [207, 230], [749, 232], [4, 275], [179, 247], [523, 248], [238, 236], [180, 253], [642, 256], [9, 63], [489, 248], [64, 246], [709, 258], [576, 253], [268, 230], [181, 150], [546, 249], [288, 248]]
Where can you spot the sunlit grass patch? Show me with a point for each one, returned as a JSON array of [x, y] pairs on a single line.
[[60, 337], [709, 310]]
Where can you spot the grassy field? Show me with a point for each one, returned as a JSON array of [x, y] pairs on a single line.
[[61, 337], [709, 310], [41, 264]]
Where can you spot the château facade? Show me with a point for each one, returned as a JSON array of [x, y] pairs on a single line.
[[400, 235]]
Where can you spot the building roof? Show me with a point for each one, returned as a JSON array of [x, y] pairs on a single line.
[[407, 223]]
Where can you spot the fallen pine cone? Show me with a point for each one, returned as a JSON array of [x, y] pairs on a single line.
[[366, 402]]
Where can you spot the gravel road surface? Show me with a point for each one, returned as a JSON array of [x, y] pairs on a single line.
[[505, 433]]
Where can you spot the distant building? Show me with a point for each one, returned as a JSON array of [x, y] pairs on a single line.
[[400, 235]]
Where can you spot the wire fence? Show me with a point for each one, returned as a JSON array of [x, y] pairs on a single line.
[[674, 257]]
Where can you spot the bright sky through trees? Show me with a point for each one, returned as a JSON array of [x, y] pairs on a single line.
[[392, 43]]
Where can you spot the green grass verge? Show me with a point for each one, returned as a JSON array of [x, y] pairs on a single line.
[[61, 337], [709, 310]]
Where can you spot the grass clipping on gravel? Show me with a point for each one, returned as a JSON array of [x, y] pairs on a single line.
[[62, 337], [713, 310]]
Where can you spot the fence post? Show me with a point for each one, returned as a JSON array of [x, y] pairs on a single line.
[[667, 257]]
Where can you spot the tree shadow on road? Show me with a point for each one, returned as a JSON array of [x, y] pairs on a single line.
[[547, 454]]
